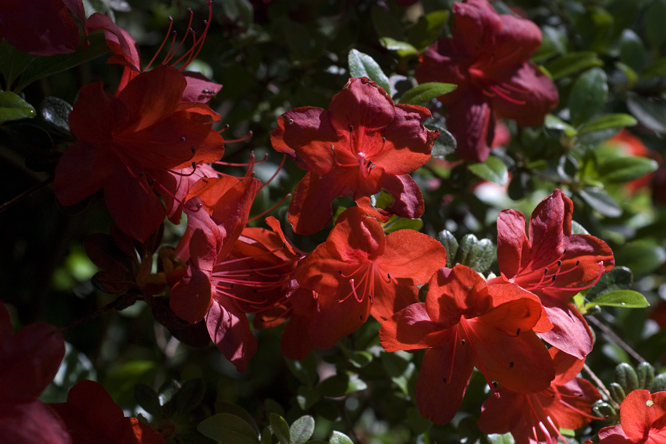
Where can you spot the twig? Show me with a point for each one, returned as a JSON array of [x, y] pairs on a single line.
[[615, 338], [599, 384], [120, 303], [10, 203]]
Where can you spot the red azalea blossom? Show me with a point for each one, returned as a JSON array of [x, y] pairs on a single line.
[[91, 416], [553, 264], [29, 361], [538, 417], [642, 420], [488, 58], [41, 27], [356, 272], [131, 144], [466, 323], [362, 144]]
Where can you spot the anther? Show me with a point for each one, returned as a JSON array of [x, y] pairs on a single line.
[[462, 341], [193, 148], [517, 332], [511, 364], [559, 263], [351, 128], [444, 380], [291, 121], [182, 139], [577, 263]]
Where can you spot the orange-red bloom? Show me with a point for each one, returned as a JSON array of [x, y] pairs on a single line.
[[537, 417], [553, 264], [642, 420], [488, 58], [358, 271], [466, 323], [362, 144], [131, 144]]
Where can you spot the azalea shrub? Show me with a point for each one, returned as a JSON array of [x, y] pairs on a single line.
[[265, 221]]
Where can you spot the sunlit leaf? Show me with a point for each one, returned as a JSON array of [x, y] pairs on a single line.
[[425, 92], [362, 65]]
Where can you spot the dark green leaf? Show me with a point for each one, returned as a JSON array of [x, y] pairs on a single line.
[[625, 169], [12, 107], [306, 396], [573, 62], [340, 385], [428, 29], [599, 200], [404, 48], [402, 223], [148, 399], [425, 92], [227, 407], [656, 69], [642, 256], [632, 50], [619, 278], [240, 10], [362, 65], [56, 111], [659, 384], [301, 41], [654, 23], [280, 428], [626, 376], [645, 373], [556, 123], [444, 145], [385, 24], [607, 121], [450, 244], [476, 254], [301, 430], [225, 428], [189, 396], [493, 170], [496, 438], [588, 95], [617, 392], [340, 438], [360, 359], [621, 298], [650, 112], [577, 228]]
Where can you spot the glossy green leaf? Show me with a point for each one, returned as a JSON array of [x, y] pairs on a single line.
[[425, 92], [280, 428], [605, 122], [496, 438], [572, 63], [621, 298], [360, 359], [626, 376], [189, 396], [340, 438], [645, 373], [362, 65], [642, 256], [12, 107], [599, 200], [476, 254], [225, 428], [493, 170], [445, 143], [619, 278], [632, 50], [588, 95], [648, 111], [55, 111], [340, 385], [301, 430], [404, 48], [306, 397], [148, 399], [625, 169], [227, 407], [428, 28], [402, 223], [617, 392], [553, 122], [450, 244]]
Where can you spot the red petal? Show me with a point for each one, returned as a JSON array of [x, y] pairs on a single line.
[[511, 241], [411, 329], [453, 292], [362, 105], [229, 329], [407, 197], [475, 28], [411, 255], [570, 332], [199, 88], [31, 423], [470, 121], [639, 412], [310, 207]]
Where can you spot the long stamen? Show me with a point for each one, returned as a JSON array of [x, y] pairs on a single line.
[[280, 202], [166, 37]]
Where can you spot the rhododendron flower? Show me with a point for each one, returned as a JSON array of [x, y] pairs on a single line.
[[29, 361], [537, 417], [130, 146], [466, 323], [91, 416], [553, 264], [41, 27], [642, 420], [487, 57], [362, 144], [360, 271]]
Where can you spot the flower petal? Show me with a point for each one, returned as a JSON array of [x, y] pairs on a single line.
[[229, 329]]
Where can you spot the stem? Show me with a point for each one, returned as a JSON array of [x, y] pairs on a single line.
[[599, 384], [10, 203], [615, 338], [120, 303]]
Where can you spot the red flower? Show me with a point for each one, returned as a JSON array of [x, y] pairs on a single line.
[[642, 420], [29, 361], [41, 27], [554, 265], [487, 57], [130, 144], [360, 271], [466, 323], [362, 144], [537, 417], [91, 416]]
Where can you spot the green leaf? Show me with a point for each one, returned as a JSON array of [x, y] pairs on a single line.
[[240, 10], [307, 396], [340, 438], [496, 438], [553, 122], [588, 95], [450, 244], [632, 50], [655, 30], [599, 200], [619, 278], [385, 24], [280, 428], [444, 145], [55, 112], [607, 121], [625, 169], [12, 107], [617, 392], [360, 359], [362, 65], [225, 428], [642, 256], [425, 92], [227, 407], [476, 254], [493, 170], [402, 223], [340, 385], [301, 430], [650, 112], [148, 400], [626, 376], [572, 63], [645, 373], [621, 298], [428, 29], [404, 48], [656, 69], [301, 42], [189, 396]]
